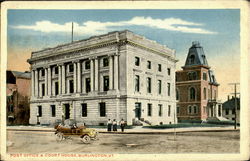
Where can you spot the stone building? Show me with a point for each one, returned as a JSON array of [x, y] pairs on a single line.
[[18, 95], [197, 88], [112, 76], [228, 108]]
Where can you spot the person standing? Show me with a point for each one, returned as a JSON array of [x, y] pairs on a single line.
[[109, 125], [114, 125], [122, 124]]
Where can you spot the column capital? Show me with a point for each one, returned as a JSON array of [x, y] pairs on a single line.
[[76, 61], [93, 58], [60, 64]]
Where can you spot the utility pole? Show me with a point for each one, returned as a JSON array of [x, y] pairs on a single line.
[[235, 102]]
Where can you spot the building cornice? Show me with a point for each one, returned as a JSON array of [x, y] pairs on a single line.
[[85, 45]]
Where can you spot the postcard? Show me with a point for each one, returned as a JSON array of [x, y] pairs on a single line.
[[129, 80]]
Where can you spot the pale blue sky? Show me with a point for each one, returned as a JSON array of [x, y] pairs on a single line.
[[217, 30]]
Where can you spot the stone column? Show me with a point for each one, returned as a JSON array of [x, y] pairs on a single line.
[[49, 81], [32, 83], [46, 81], [60, 79], [96, 74], [75, 77], [110, 72], [36, 83], [116, 76], [79, 75], [92, 74], [63, 79]]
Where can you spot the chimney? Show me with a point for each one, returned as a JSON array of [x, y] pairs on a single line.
[[228, 97]]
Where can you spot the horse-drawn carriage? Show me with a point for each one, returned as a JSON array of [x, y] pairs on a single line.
[[84, 133]]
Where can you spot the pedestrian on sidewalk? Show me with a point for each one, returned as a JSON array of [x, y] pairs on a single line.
[[122, 124], [114, 125], [109, 125]]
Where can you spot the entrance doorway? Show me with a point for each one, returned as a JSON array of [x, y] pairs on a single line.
[[138, 110], [66, 111]]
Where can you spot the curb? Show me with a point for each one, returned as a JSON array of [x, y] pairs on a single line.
[[135, 132]]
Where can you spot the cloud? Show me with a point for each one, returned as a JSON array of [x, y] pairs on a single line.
[[97, 27]]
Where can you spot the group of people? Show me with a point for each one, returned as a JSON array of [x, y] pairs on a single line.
[[114, 125]]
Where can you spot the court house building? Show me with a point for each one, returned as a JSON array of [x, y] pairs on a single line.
[[112, 76]]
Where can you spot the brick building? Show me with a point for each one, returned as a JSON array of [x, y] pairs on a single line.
[[18, 95], [197, 88], [112, 76]]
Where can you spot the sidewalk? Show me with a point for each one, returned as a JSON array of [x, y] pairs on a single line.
[[135, 130]]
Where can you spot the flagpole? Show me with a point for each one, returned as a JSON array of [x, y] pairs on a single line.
[[72, 32]]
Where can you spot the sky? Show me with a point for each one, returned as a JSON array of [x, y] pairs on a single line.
[[218, 31]]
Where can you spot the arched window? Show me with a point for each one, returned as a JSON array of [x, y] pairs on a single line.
[[189, 109], [177, 94], [192, 93], [205, 93], [191, 59], [195, 109]]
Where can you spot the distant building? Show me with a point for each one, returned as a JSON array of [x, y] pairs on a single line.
[[18, 95], [197, 88], [112, 76], [229, 109]]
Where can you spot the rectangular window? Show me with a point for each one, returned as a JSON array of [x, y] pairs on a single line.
[[137, 83], [149, 109], [105, 83], [137, 61], [39, 112], [233, 111], [169, 71], [102, 106], [87, 64], [227, 112], [149, 85], [169, 110], [149, 64], [105, 62], [71, 68], [71, 86], [56, 70], [169, 89], [159, 86], [43, 89], [159, 67], [56, 88], [53, 110], [160, 109], [178, 110], [204, 76], [84, 110], [88, 87]]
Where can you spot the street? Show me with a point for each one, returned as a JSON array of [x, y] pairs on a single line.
[[194, 142]]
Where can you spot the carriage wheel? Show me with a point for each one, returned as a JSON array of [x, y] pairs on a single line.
[[59, 136], [85, 139]]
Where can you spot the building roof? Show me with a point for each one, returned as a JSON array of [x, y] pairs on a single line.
[[230, 104], [18, 74], [212, 79], [196, 55]]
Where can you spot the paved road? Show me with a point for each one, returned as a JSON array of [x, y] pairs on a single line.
[[201, 142]]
